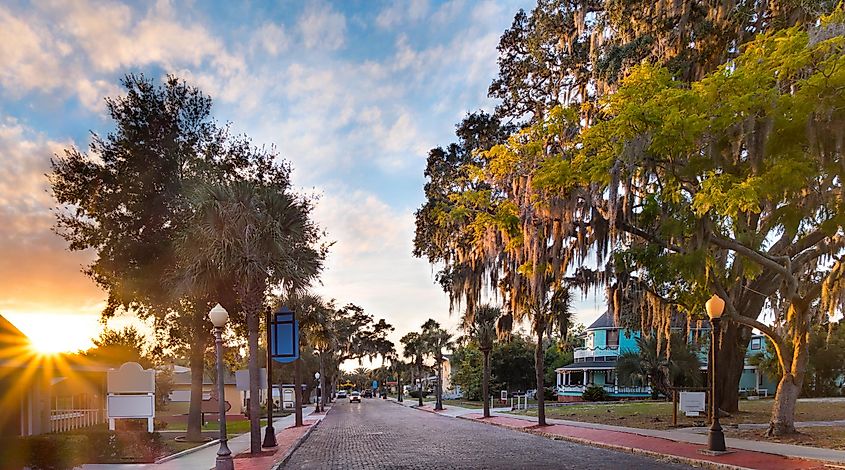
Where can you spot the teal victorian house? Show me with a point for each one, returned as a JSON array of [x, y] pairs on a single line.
[[604, 340]]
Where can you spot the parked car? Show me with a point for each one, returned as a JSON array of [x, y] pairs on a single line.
[[368, 394], [341, 393], [355, 397]]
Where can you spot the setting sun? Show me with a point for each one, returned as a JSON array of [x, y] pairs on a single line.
[[51, 333]]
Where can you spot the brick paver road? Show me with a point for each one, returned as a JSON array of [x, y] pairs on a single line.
[[381, 434]]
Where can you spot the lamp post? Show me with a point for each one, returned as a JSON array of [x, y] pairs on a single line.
[[715, 437], [219, 316], [270, 434], [317, 402]]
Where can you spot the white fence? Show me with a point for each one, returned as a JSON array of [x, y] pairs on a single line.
[[608, 388], [67, 420]]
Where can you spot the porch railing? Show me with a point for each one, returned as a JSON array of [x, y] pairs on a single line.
[[582, 353], [618, 389], [68, 420]]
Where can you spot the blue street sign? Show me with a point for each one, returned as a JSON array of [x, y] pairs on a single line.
[[284, 336], [375, 384]]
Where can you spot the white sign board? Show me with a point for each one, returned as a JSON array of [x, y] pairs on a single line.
[[131, 406], [288, 398], [692, 403], [131, 378], [503, 395]]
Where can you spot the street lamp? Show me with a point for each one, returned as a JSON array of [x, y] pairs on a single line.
[[219, 316], [715, 437], [270, 434], [317, 402]]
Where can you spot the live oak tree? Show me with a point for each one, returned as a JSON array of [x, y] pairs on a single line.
[[730, 185], [558, 65], [125, 199]]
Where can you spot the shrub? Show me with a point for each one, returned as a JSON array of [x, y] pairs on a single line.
[[416, 393], [595, 393], [549, 393], [68, 450]]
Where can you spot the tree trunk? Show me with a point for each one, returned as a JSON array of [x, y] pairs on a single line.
[[297, 392], [438, 405], [252, 315], [197, 372], [789, 388], [783, 409], [730, 363], [541, 386], [420, 388], [485, 383], [323, 391]]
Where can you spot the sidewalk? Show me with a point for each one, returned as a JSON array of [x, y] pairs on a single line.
[[682, 445], [204, 458]]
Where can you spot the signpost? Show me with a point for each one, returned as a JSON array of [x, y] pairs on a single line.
[[692, 403], [131, 394], [284, 336]]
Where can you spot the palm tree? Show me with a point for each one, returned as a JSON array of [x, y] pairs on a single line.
[[415, 350], [661, 371], [547, 314], [260, 235], [437, 339], [315, 323], [480, 325]]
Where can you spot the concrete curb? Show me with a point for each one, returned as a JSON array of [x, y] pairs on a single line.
[[296, 444], [630, 450], [187, 451]]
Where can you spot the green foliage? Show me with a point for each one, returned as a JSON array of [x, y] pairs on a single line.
[[69, 450], [679, 368], [512, 364], [595, 393], [468, 369]]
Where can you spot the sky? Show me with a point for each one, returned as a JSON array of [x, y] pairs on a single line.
[[352, 93]]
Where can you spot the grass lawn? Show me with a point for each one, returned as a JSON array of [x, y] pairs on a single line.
[[232, 427], [463, 403], [828, 437], [658, 415]]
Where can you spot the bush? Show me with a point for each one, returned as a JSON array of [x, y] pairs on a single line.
[[53, 451], [595, 393], [549, 394], [416, 393], [68, 450]]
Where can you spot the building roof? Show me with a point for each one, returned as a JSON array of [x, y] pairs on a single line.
[[588, 365], [605, 320], [608, 320], [10, 335], [184, 378]]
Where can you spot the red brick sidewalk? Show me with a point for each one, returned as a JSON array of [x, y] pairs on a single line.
[[286, 438], [651, 445]]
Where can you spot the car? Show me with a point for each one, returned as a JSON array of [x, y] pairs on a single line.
[[368, 394], [341, 393], [355, 397]]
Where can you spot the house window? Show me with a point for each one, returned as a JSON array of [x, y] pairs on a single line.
[[756, 343], [613, 337]]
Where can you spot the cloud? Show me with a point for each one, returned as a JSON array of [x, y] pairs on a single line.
[[38, 272], [322, 27], [371, 263], [400, 12]]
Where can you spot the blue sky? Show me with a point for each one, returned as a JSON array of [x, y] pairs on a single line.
[[352, 93]]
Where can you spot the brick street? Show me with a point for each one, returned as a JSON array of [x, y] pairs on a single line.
[[381, 434]]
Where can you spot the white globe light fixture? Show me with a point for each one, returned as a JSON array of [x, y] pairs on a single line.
[[218, 316], [715, 306]]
